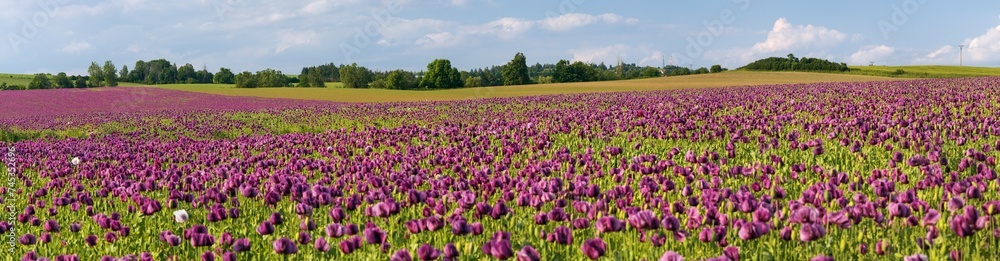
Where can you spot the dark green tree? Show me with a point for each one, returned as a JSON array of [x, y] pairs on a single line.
[[246, 80], [354, 76], [400, 80], [515, 72], [41, 81], [716, 69], [62, 81], [110, 78], [225, 76], [96, 74], [440, 75]]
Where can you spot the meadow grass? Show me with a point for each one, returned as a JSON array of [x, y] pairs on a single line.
[[333, 92], [925, 71]]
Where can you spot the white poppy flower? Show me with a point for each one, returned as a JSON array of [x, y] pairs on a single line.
[[75, 161], [180, 216]]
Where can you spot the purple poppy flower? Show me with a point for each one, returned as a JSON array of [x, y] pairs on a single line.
[[275, 219], [265, 228], [561, 235], [811, 231], [304, 238], [321, 245], [427, 252], [401, 255], [671, 256], [227, 256], [528, 253], [594, 248], [208, 256], [51, 226], [200, 240], [241, 245], [27, 239], [374, 236], [916, 257], [285, 246], [450, 251]]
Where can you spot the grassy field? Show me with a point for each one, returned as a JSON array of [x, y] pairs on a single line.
[[331, 93], [19, 79], [925, 71]]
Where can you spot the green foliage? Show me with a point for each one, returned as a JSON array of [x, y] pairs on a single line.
[[514, 73], [701, 70], [80, 82], [440, 75], [266, 78], [354, 76], [246, 80], [123, 74], [650, 72], [474, 82], [41, 81], [679, 71], [62, 81], [575, 72], [717, 69], [224, 76], [327, 72], [311, 78], [791, 63], [401, 80], [110, 77], [96, 74]]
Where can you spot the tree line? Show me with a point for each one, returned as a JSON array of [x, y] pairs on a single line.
[[792, 63], [440, 74]]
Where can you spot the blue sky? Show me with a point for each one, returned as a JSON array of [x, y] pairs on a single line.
[[66, 35]]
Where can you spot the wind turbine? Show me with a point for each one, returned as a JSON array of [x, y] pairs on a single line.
[[961, 47]]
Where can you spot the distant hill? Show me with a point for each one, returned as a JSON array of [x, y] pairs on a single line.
[[792, 63]]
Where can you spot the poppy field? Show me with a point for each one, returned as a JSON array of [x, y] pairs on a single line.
[[822, 171]]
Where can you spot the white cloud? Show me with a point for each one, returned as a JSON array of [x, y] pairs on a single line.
[[75, 47], [984, 48], [405, 31], [437, 40], [459, 2], [323, 6], [786, 36], [609, 55], [289, 38], [877, 53], [568, 22]]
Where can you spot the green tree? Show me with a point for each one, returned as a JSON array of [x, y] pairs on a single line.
[[354, 76], [225, 76], [186, 74], [123, 74], [62, 81], [474, 81], [96, 74], [400, 80], [716, 69], [246, 80], [311, 78], [440, 75], [515, 72], [701, 70], [650, 72], [80, 82], [110, 77], [41, 81]]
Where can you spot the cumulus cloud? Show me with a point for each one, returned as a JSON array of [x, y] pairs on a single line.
[[877, 53], [985, 47], [75, 47], [323, 6], [568, 22], [786, 36]]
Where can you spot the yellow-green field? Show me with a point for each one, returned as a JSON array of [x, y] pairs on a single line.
[[332, 93], [925, 71]]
